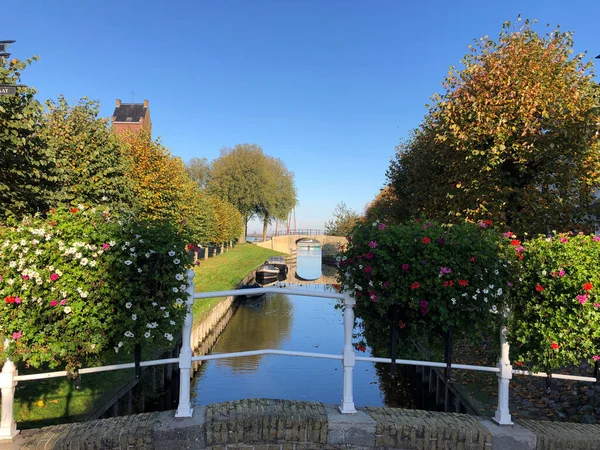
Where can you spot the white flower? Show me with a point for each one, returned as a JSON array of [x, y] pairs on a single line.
[[13, 264], [137, 236], [171, 253], [172, 322], [176, 261], [132, 249], [177, 300], [83, 261], [166, 313], [104, 198], [134, 317], [453, 300], [175, 289], [83, 294], [374, 224], [485, 291], [147, 334], [151, 325], [154, 304], [128, 305], [134, 254], [92, 263], [147, 254], [63, 293], [499, 291], [80, 206], [162, 308], [129, 334], [141, 241], [120, 344], [78, 255], [139, 270], [169, 336], [183, 287], [112, 243], [67, 310], [116, 349], [127, 244], [496, 272], [360, 266], [494, 309], [128, 262], [179, 277], [544, 273]]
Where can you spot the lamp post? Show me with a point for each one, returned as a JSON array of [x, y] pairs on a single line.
[[6, 89], [3, 52]]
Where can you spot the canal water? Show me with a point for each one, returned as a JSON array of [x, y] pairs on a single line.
[[291, 322]]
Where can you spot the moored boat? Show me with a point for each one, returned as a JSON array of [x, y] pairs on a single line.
[[267, 273], [280, 263]]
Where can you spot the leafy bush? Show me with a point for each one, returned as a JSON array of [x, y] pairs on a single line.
[[556, 315], [83, 280], [440, 276]]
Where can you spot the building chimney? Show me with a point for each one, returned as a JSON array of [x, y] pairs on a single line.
[[118, 102], [145, 103]]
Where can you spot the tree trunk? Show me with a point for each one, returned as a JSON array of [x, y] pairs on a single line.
[[245, 230], [265, 225]]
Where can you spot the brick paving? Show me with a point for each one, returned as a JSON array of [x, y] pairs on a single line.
[[263, 424]]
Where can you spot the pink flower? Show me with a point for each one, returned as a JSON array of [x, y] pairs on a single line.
[[63, 302], [368, 269], [445, 271], [404, 266], [582, 299], [509, 284], [561, 273], [54, 276], [17, 300], [596, 357], [17, 335], [386, 284], [596, 305], [596, 238], [369, 255], [382, 226], [508, 234], [25, 277], [54, 303], [373, 296], [105, 246], [372, 244], [563, 239]]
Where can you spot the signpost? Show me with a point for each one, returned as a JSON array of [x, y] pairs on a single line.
[[3, 52], [7, 90]]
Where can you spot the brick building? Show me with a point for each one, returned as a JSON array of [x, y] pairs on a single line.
[[133, 117]]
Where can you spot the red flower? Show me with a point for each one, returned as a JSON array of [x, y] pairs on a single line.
[[538, 287], [369, 255], [402, 324], [361, 347], [554, 346], [515, 242], [448, 283], [472, 259], [368, 269], [520, 363], [426, 240], [520, 255], [74, 210], [415, 285], [587, 286], [463, 283], [9, 299]]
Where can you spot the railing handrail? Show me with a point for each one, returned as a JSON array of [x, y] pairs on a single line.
[[9, 376]]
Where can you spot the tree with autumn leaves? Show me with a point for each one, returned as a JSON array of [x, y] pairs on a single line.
[[513, 139]]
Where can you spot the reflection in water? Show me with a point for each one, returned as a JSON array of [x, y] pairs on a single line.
[[264, 323], [308, 263], [289, 322]]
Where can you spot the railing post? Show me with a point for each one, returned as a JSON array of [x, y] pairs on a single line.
[[8, 426], [348, 357], [502, 416], [184, 408]]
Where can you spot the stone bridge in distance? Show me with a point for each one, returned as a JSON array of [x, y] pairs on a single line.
[[288, 243]]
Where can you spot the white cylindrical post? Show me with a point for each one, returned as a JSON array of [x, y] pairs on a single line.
[[8, 426], [348, 357], [502, 416], [184, 408]]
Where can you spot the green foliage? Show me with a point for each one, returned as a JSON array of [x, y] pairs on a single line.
[[199, 171], [25, 163], [344, 220], [238, 177], [514, 138], [70, 284], [439, 276], [278, 193], [90, 167], [555, 303]]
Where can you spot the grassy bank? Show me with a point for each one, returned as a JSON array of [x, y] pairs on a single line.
[[53, 401]]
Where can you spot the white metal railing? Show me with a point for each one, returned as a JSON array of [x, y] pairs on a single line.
[[9, 376]]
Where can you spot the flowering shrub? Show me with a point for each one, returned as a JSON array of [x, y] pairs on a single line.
[[82, 280], [556, 316], [441, 276]]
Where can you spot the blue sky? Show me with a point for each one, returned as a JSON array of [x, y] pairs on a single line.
[[328, 86]]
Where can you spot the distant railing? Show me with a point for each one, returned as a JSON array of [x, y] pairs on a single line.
[[297, 232], [9, 376]]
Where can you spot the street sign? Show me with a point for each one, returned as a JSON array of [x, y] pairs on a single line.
[[7, 90]]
